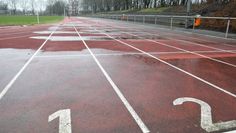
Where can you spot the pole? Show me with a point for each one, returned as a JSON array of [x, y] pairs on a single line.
[[64, 11], [144, 19], [155, 19], [189, 2], [227, 29], [38, 17], [171, 23], [194, 24]]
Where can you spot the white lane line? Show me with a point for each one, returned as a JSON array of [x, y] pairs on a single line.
[[7, 38], [208, 41], [117, 90], [164, 44], [193, 43], [186, 32], [206, 46], [182, 40], [175, 67], [8, 86], [234, 131], [123, 53], [191, 52]]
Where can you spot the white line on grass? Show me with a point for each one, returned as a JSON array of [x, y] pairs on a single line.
[[117, 90], [8, 86]]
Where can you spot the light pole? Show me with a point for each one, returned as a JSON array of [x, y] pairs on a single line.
[[38, 17], [189, 3]]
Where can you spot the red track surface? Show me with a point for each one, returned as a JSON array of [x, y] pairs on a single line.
[[151, 67]]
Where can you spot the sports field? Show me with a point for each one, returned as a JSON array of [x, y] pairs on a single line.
[[26, 20]]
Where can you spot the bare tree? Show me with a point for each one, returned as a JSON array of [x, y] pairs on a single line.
[[32, 4], [13, 5], [24, 5]]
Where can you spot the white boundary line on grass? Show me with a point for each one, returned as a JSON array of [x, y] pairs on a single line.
[[117, 90], [9, 85]]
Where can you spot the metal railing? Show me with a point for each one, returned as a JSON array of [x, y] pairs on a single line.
[[168, 20]]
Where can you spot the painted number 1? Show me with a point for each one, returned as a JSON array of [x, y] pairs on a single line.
[[206, 116], [64, 120]]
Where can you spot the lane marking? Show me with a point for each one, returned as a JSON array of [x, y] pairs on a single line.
[[175, 67], [120, 54], [57, 32], [186, 32], [234, 131], [202, 45], [72, 38], [206, 116], [8, 86], [117, 90], [7, 38], [191, 52], [64, 120], [175, 34]]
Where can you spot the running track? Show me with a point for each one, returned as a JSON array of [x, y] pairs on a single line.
[[106, 76]]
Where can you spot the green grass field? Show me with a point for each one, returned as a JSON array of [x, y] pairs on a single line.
[[28, 20]]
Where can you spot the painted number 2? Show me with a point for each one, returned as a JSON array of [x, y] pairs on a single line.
[[206, 116], [64, 120]]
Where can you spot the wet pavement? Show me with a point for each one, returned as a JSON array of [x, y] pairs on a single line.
[[96, 77]]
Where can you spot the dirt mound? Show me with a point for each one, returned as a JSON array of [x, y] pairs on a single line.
[[227, 10]]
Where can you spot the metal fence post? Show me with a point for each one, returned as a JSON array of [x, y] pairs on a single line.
[[194, 24], [227, 28], [155, 19], [38, 17], [171, 22], [144, 19]]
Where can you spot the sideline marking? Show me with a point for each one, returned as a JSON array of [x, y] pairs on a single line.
[[175, 67], [206, 116], [117, 90], [8, 86]]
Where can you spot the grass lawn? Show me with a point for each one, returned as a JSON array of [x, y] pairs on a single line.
[[26, 20]]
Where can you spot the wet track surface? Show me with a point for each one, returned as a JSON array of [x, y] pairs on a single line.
[[87, 75]]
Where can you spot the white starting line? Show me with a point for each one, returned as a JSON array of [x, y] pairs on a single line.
[[71, 55]]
